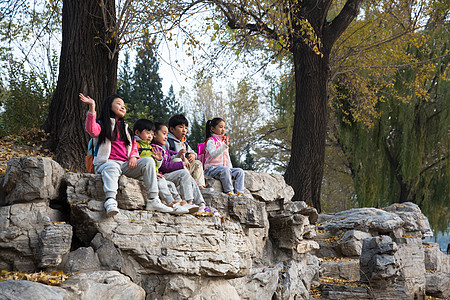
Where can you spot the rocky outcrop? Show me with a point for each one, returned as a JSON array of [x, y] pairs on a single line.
[[262, 246], [393, 256], [235, 256]]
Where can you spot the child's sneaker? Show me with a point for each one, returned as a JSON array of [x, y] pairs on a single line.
[[229, 193], [111, 207], [191, 207], [239, 194], [178, 209], [204, 188], [156, 205]]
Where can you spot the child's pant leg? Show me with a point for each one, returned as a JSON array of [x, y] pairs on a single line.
[[111, 171], [238, 175], [164, 190], [145, 168], [198, 197], [224, 175], [173, 190], [182, 180], [197, 172]]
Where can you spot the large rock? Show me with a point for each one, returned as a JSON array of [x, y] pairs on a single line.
[[414, 221], [99, 285], [347, 270], [373, 220], [267, 187], [438, 285], [102, 285], [163, 243], [54, 243], [22, 289], [435, 259], [351, 243], [32, 179], [21, 226]]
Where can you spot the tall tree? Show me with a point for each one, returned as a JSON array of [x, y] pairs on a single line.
[[304, 29], [88, 64], [147, 89]]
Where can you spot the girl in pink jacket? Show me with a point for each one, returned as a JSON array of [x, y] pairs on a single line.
[[217, 159], [116, 153]]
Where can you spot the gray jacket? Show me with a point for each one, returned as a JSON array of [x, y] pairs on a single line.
[[177, 145]]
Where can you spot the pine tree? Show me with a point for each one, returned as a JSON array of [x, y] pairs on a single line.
[[148, 98]]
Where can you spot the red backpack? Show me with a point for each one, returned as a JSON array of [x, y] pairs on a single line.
[[201, 149]]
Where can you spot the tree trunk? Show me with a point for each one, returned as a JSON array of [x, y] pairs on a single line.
[[305, 168], [85, 66]]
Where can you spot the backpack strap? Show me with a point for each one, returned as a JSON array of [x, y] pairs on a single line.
[[171, 144]]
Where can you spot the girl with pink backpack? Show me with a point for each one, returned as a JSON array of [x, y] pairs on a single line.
[[217, 161]]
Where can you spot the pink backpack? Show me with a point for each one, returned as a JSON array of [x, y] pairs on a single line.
[[201, 149]]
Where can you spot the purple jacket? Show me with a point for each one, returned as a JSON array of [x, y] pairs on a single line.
[[167, 165]]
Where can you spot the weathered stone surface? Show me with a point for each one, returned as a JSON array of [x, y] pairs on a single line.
[[26, 290], [415, 222], [32, 179], [287, 232], [296, 277], [435, 259], [347, 270], [378, 264], [163, 243], [54, 242], [410, 256], [438, 285], [393, 292], [84, 187], [363, 219], [248, 211], [351, 243], [267, 187], [218, 201], [107, 253], [102, 285], [20, 228], [83, 259], [262, 283]]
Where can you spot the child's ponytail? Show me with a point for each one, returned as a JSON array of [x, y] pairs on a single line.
[[208, 129]]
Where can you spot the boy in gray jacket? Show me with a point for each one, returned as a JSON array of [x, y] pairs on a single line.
[[176, 141]]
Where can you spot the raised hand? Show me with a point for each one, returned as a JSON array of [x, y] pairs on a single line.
[[157, 153], [227, 140], [88, 100]]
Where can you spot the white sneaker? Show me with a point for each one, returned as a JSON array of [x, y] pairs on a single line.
[[192, 208], [156, 205], [179, 210], [201, 209], [111, 207]]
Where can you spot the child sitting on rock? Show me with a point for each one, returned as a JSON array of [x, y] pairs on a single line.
[[116, 153], [217, 158], [144, 131], [176, 141], [177, 171]]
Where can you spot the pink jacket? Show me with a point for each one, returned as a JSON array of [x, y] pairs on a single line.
[[104, 151], [216, 153]]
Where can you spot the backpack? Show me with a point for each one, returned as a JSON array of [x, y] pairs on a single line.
[[202, 149], [91, 153]]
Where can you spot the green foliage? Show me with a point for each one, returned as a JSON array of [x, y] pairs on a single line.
[[404, 155], [24, 100], [141, 88], [196, 134]]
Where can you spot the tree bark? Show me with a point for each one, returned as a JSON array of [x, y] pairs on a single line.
[[305, 169], [86, 66]]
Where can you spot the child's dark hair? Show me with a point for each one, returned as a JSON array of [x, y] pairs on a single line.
[[105, 122], [178, 119], [212, 123], [159, 125], [143, 124]]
